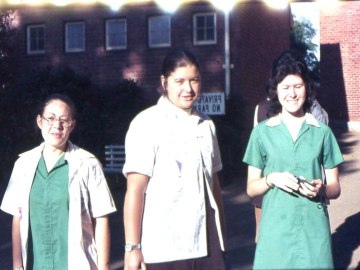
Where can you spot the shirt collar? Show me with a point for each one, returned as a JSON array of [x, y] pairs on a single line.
[[276, 120]]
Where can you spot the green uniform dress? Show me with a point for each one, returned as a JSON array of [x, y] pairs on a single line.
[[49, 216], [294, 230]]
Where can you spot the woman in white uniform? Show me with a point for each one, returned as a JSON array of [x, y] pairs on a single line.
[[173, 212]]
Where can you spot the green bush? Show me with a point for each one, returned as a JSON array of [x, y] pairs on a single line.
[[7, 64], [103, 114], [121, 103]]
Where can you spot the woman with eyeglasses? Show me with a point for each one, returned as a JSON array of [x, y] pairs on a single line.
[[59, 199], [285, 155]]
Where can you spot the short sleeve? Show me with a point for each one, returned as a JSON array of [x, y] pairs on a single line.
[[332, 154], [101, 199], [253, 154], [140, 147], [216, 163], [12, 198]]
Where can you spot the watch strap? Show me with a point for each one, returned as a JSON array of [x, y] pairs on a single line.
[[131, 247]]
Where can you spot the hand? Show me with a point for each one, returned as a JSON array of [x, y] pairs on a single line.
[[283, 180], [134, 260], [311, 189]]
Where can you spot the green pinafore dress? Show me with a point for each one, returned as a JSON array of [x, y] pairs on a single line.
[[294, 230]]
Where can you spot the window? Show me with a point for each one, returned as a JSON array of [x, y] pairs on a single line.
[[204, 27], [116, 34], [159, 31], [35, 39], [75, 37]]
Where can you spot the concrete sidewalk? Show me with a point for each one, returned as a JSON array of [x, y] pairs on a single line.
[[344, 217], [345, 211]]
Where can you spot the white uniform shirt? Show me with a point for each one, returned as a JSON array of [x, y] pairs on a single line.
[[176, 151], [89, 197]]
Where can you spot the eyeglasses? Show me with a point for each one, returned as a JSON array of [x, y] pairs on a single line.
[[64, 122]]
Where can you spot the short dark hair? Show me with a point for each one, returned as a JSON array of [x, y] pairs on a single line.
[[67, 100], [290, 62]]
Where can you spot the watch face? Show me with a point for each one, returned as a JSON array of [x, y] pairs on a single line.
[[128, 247]]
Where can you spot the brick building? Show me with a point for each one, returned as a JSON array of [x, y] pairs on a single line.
[[340, 58], [131, 42], [257, 34]]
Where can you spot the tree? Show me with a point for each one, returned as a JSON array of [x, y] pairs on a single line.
[[301, 38], [6, 33], [103, 114]]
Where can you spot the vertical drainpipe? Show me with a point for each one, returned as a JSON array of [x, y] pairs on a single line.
[[227, 54]]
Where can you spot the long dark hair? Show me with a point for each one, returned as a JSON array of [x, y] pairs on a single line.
[[287, 63]]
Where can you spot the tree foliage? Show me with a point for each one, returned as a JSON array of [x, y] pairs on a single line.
[[6, 34], [302, 35]]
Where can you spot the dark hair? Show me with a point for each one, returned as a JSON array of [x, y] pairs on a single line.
[[289, 62], [178, 58], [67, 100]]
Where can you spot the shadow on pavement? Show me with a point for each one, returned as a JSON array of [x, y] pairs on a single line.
[[346, 239], [118, 189], [240, 225]]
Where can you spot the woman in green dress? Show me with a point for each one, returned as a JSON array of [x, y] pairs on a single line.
[[285, 155]]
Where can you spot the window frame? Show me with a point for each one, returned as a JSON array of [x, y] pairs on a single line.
[[77, 49], [151, 31], [196, 41], [109, 47], [29, 50]]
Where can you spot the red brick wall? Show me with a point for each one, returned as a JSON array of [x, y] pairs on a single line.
[[340, 58], [259, 34]]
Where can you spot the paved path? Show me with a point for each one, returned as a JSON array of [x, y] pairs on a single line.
[[344, 217], [345, 211]]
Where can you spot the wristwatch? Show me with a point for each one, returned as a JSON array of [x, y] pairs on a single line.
[[131, 247]]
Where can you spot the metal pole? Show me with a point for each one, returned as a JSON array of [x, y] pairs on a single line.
[[227, 54]]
